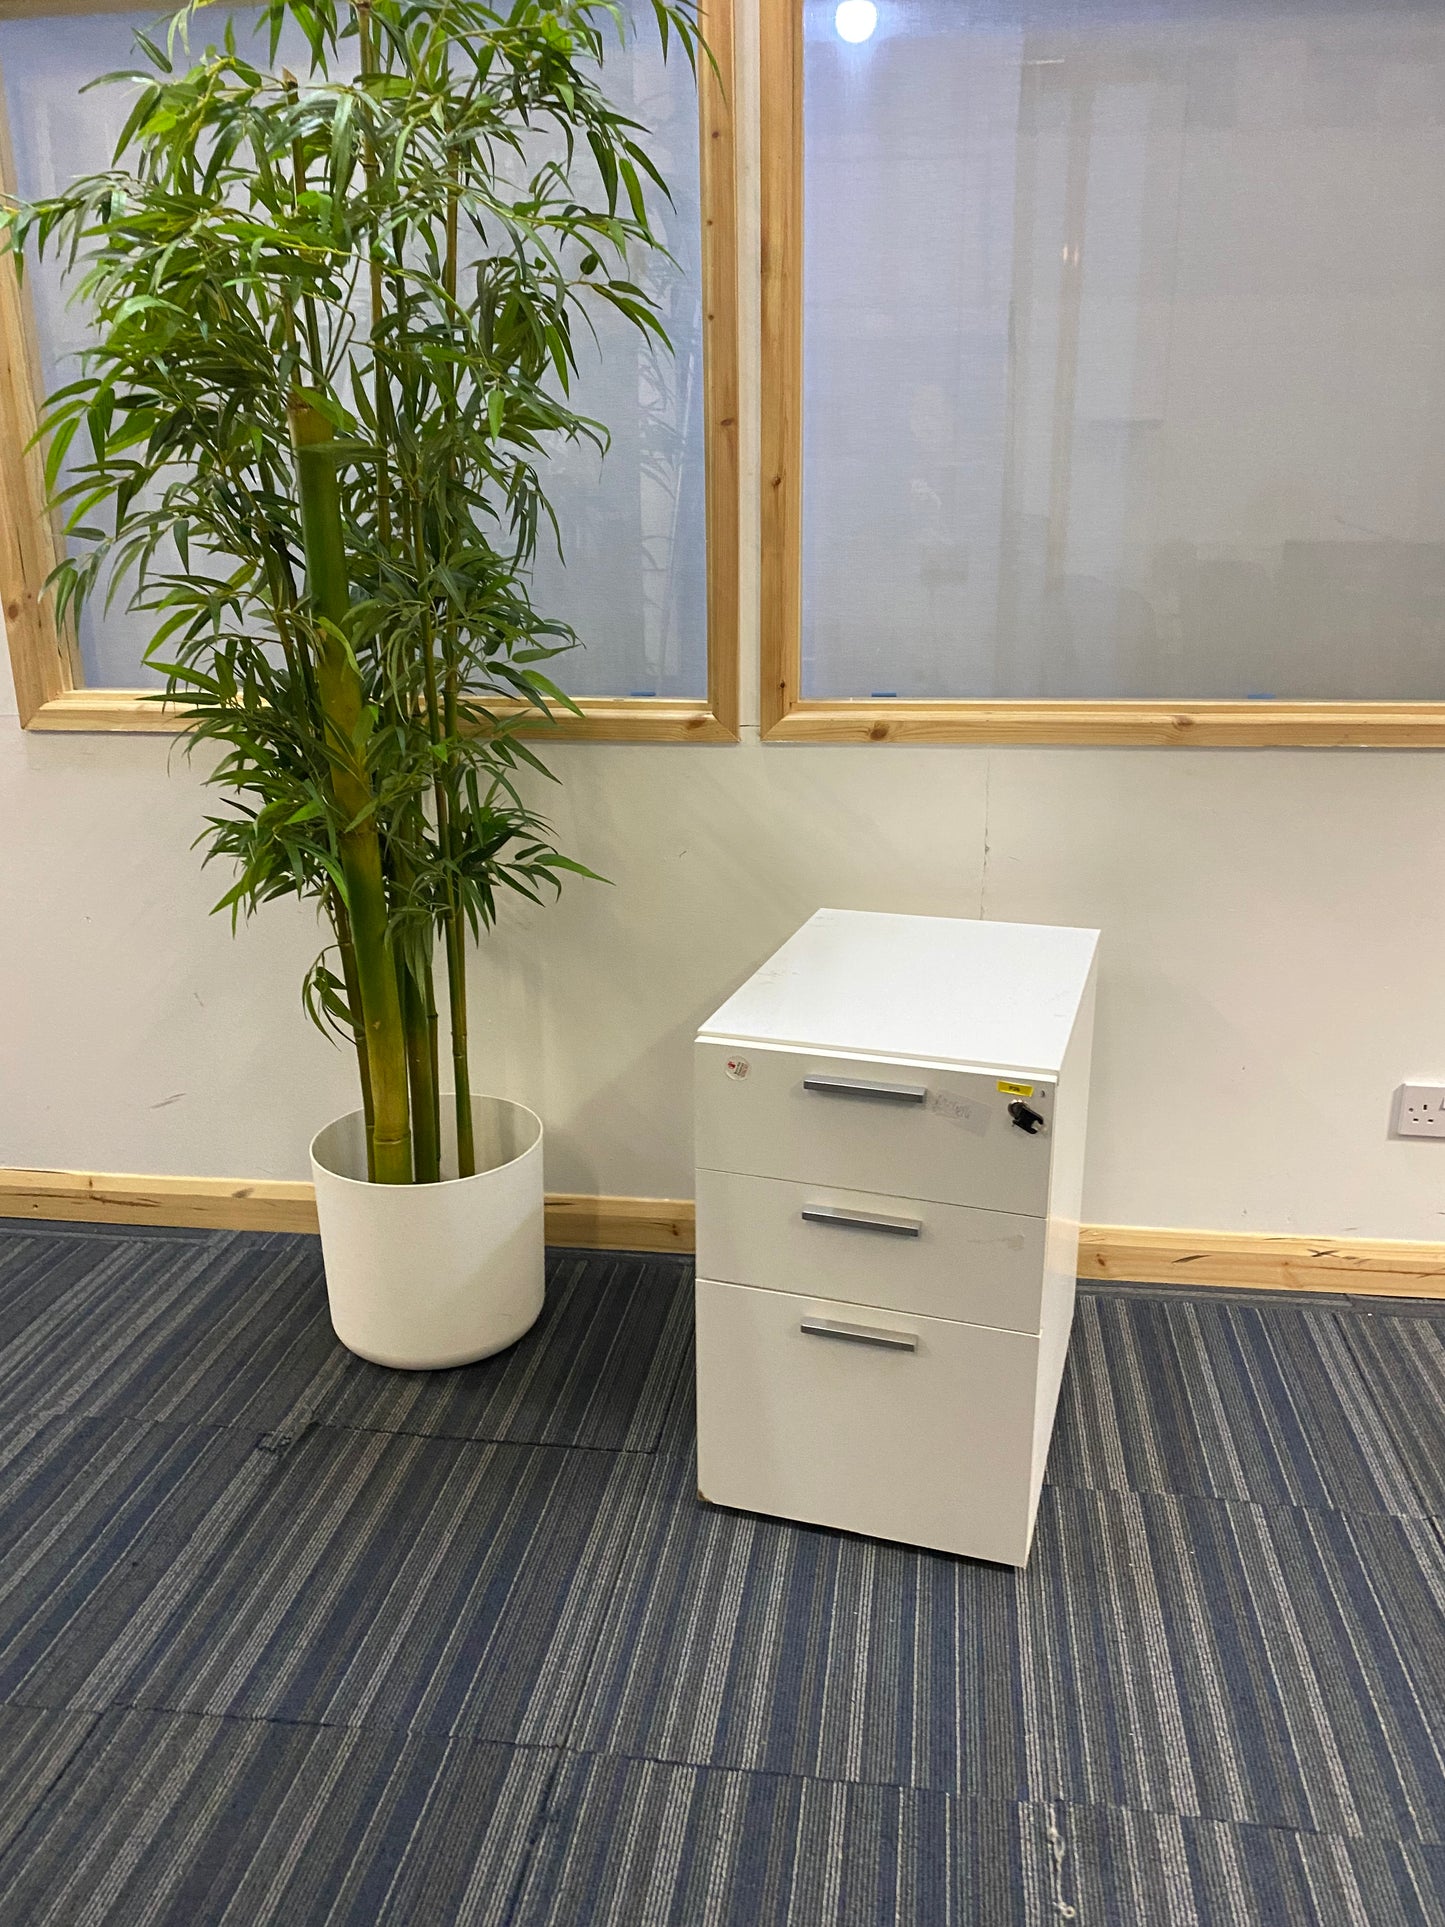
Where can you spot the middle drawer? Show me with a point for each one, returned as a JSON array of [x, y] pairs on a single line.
[[939, 1260]]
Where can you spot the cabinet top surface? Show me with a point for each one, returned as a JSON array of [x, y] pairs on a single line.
[[941, 989]]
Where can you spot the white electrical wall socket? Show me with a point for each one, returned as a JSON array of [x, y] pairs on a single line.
[[1420, 1110]]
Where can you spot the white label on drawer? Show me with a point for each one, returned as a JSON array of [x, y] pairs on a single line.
[[738, 1067], [973, 1117]]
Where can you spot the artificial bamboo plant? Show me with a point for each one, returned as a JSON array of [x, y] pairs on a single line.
[[335, 321]]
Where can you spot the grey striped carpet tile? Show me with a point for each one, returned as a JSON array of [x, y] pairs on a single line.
[[174, 1820], [1402, 1358], [36, 1747], [1175, 1392], [1278, 1666], [204, 1329], [168, 1820], [1117, 1868], [1274, 1665], [637, 1843], [678, 1432], [95, 1509], [597, 1370], [229, 1328], [39, 1265], [418, 1585]]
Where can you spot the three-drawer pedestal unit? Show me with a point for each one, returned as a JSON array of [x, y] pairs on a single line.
[[890, 1141]]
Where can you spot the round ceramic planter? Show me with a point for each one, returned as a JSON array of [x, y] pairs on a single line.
[[425, 1276]]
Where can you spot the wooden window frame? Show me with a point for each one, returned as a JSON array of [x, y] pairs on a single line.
[[787, 716], [49, 686]]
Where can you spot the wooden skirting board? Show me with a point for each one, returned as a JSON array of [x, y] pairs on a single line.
[[1262, 1261], [274, 1204], [102, 1197], [1135, 1254]]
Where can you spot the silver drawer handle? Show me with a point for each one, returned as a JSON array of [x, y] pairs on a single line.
[[892, 1341], [861, 1221], [866, 1087]]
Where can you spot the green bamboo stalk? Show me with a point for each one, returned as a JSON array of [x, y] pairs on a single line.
[[418, 1010], [455, 933], [421, 1076], [441, 715], [456, 952], [433, 1043], [340, 693], [456, 930], [342, 925], [461, 1069]]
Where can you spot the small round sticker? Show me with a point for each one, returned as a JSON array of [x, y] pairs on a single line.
[[738, 1067]]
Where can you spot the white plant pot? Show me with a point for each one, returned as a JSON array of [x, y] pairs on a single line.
[[425, 1276]]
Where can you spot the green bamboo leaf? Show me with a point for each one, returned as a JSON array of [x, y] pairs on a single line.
[[61, 438]]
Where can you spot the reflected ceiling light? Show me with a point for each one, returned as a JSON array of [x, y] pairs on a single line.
[[855, 20]]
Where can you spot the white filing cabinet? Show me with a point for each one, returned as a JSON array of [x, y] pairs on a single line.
[[890, 1144]]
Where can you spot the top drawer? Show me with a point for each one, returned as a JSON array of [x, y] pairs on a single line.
[[907, 1130]]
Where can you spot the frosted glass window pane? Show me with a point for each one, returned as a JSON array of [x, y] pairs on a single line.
[[57, 133], [633, 526], [1124, 348], [634, 585]]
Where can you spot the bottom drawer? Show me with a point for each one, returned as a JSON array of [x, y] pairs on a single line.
[[907, 1428]]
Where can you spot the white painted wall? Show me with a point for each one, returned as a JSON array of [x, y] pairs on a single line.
[[1273, 963]]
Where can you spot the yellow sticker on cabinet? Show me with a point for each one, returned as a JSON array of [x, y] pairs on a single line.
[[1016, 1090]]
